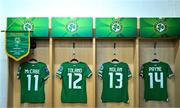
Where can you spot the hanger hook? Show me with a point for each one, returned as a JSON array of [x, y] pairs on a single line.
[[114, 50], [155, 45], [74, 50]]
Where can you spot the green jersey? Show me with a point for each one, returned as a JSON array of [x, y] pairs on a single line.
[[73, 81], [115, 81], [155, 80], [32, 77]]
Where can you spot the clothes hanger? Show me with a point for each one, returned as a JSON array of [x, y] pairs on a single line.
[[32, 59], [115, 60]]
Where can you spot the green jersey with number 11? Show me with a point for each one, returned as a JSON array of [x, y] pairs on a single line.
[[155, 75], [115, 81], [73, 81], [32, 78]]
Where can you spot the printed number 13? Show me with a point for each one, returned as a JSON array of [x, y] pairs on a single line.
[[119, 80]]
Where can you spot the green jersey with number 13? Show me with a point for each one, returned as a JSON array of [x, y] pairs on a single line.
[[32, 78], [115, 81], [155, 75], [73, 81]]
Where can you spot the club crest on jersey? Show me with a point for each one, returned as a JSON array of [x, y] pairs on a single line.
[[72, 26], [60, 70], [27, 26], [116, 26], [46, 69], [101, 67]]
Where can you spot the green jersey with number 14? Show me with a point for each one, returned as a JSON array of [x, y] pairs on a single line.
[[32, 78], [73, 81], [115, 81], [155, 75]]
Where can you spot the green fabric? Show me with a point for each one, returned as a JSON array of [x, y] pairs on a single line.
[[32, 79], [73, 82], [72, 27], [155, 80], [159, 27], [120, 27], [39, 25], [115, 81], [17, 44]]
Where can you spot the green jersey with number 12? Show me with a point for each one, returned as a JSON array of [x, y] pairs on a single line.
[[115, 81], [155, 75], [32, 78], [73, 81]]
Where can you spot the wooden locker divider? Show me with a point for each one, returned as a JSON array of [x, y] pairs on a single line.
[[136, 74], [94, 71], [51, 69], [84, 52], [125, 51]]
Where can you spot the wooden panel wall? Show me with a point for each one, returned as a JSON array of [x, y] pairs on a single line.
[[95, 51]]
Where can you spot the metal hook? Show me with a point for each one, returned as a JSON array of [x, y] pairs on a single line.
[[114, 50], [74, 50], [155, 45]]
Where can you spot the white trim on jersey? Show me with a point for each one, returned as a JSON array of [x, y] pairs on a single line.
[[100, 72], [89, 75], [171, 75], [130, 75], [59, 76], [100, 75], [46, 77], [18, 77]]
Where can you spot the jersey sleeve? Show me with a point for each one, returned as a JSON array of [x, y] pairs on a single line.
[[169, 71], [45, 72], [60, 71], [88, 72], [18, 72], [129, 72], [100, 72]]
